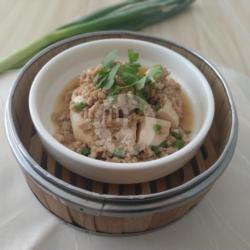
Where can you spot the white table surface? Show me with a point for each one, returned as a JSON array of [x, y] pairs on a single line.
[[221, 221], [219, 29]]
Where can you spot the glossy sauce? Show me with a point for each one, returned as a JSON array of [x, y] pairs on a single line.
[[186, 123], [61, 104]]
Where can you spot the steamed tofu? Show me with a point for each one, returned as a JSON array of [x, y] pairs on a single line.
[[168, 113], [80, 134], [126, 136], [78, 123], [149, 135], [76, 98]]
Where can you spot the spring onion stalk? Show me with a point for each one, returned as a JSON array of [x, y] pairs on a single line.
[[129, 15], [99, 13]]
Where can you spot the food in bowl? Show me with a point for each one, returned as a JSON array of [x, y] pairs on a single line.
[[52, 78], [123, 112]]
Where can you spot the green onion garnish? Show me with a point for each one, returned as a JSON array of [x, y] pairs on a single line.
[[156, 150], [163, 144], [86, 151], [157, 128], [176, 135], [119, 153], [179, 144], [78, 107]]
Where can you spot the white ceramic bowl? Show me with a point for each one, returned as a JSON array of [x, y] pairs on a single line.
[[53, 77]]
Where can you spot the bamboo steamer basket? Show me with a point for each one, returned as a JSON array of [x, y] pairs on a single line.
[[112, 208]]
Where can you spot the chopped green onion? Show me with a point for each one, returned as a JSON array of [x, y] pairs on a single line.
[[142, 94], [129, 73], [78, 107], [111, 77], [155, 86], [156, 150], [141, 104], [176, 135], [119, 153], [179, 144], [157, 128], [86, 151], [133, 56], [157, 107], [109, 58], [154, 72], [163, 144], [141, 83]]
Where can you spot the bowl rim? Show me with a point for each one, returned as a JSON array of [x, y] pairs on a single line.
[[17, 144], [119, 167]]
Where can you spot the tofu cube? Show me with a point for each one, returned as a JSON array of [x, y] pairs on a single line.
[[78, 123], [168, 113], [80, 134], [148, 135]]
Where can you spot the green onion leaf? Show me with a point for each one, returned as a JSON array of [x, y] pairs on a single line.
[[141, 83], [128, 72], [127, 77], [142, 94], [132, 56], [111, 77], [114, 91], [141, 104], [86, 151], [176, 135], [98, 83], [154, 72], [156, 150], [157, 107], [128, 15], [78, 107], [157, 128], [119, 153], [179, 144], [109, 58], [163, 144]]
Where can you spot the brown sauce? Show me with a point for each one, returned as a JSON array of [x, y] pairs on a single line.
[[60, 104], [186, 123]]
